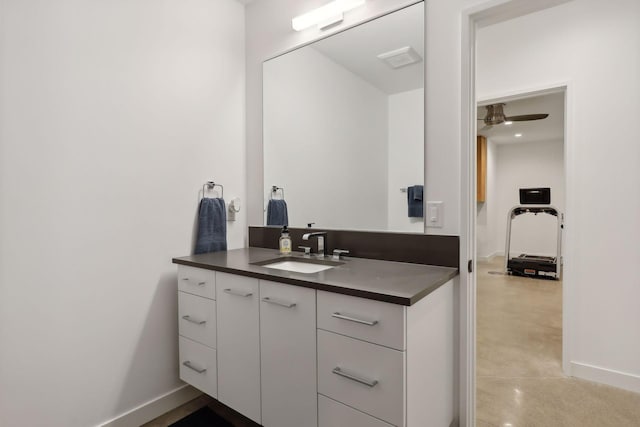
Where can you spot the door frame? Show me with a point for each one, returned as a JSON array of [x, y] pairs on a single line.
[[487, 13]]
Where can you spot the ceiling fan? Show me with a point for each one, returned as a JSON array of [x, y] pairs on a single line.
[[495, 116]]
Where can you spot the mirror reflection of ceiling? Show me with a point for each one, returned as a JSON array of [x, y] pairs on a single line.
[[357, 50], [549, 129]]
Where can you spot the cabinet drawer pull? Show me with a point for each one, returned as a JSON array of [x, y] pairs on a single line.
[[188, 364], [280, 303], [197, 322], [186, 279], [353, 319], [368, 383], [238, 293]]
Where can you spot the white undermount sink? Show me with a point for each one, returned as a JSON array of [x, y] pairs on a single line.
[[299, 267]]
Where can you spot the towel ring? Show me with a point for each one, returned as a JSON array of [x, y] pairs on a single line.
[[210, 185], [274, 190]]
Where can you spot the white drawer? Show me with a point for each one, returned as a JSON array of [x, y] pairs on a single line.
[[197, 281], [197, 318], [383, 368], [198, 366], [373, 321], [335, 414]]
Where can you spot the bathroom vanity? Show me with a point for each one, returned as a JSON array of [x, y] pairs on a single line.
[[362, 343]]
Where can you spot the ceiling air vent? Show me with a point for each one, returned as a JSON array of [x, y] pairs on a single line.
[[399, 58]]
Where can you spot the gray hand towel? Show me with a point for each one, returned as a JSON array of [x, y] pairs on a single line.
[[277, 212], [212, 226], [414, 200]]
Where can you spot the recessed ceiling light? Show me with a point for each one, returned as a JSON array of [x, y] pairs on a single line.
[[508, 122], [518, 135]]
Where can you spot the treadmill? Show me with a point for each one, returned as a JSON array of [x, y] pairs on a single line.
[[534, 201]]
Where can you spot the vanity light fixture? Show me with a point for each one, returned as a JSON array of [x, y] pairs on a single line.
[[324, 16]]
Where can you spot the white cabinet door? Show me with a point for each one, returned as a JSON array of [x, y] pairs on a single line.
[[288, 348], [239, 344]]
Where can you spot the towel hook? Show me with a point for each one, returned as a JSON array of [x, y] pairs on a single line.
[[210, 185], [274, 190]]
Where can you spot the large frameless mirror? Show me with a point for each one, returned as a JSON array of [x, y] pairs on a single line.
[[344, 128]]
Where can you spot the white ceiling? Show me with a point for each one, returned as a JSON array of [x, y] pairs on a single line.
[[357, 49], [551, 128]]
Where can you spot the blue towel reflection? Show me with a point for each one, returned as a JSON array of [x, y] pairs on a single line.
[[414, 201], [277, 212]]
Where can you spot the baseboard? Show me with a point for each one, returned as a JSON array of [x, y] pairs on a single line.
[[610, 377], [154, 408], [489, 258]]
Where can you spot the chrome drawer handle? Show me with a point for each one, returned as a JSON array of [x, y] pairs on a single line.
[[353, 319], [280, 303], [197, 322], [238, 293], [190, 366], [186, 279], [368, 383]]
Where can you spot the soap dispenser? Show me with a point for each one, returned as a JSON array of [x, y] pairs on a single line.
[[285, 241]]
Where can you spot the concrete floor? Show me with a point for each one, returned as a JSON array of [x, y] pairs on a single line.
[[519, 361]]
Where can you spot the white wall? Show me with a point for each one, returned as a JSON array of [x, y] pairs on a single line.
[[113, 115], [405, 157], [593, 46], [515, 166], [324, 113]]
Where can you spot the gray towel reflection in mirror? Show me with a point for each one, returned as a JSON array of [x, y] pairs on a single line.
[[414, 201], [277, 212]]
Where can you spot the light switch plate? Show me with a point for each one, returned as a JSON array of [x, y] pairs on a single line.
[[434, 216]]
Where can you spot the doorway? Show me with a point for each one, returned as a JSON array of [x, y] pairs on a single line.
[[539, 54], [520, 145]]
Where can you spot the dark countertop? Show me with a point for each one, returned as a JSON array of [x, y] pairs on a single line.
[[388, 281]]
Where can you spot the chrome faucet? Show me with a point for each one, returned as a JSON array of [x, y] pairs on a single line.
[[322, 240]]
